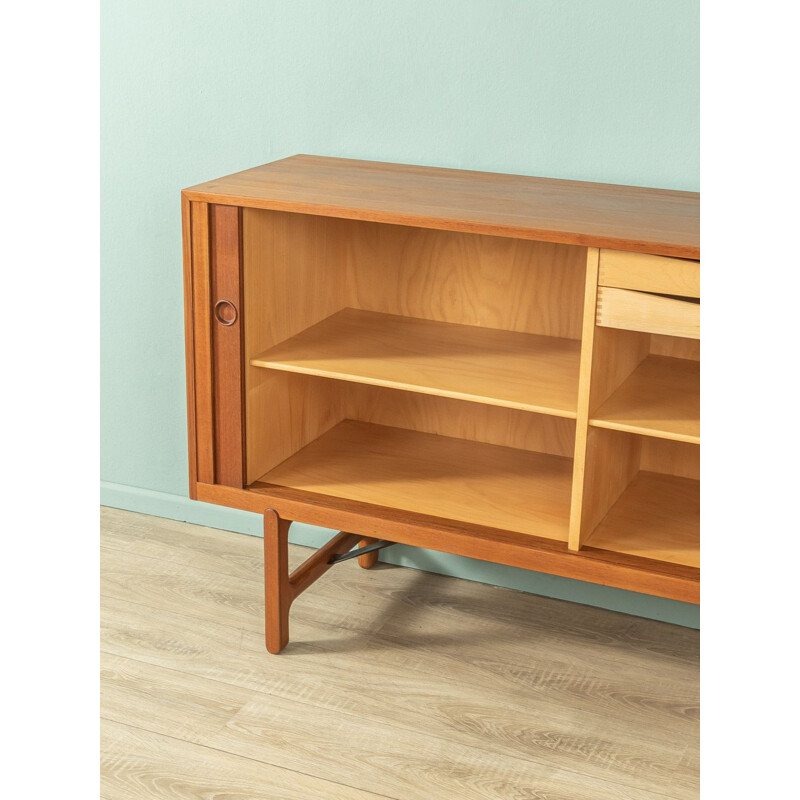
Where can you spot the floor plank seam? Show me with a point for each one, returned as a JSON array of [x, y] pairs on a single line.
[[198, 617], [455, 688], [619, 779], [378, 636], [249, 758], [257, 581]]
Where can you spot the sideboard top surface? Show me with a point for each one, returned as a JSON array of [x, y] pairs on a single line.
[[658, 221]]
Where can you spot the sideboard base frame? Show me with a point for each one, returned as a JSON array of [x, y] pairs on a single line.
[[281, 588], [363, 523]]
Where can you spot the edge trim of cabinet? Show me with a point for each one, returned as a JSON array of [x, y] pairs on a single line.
[[671, 581], [452, 224], [188, 323], [203, 352]]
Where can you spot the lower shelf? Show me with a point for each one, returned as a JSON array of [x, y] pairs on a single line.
[[484, 484], [658, 517]]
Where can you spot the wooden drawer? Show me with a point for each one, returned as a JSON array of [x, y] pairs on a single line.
[[651, 313], [645, 273]]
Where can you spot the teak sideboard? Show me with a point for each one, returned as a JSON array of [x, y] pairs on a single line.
[[496, 366]]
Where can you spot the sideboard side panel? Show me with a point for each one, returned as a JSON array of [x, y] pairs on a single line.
[[188, 321]]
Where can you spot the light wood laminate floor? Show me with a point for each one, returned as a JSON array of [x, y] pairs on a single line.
[[396, 684]]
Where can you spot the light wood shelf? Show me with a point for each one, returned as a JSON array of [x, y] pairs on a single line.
[[500, 487], [660, 398], [501, 368], [657, 517]]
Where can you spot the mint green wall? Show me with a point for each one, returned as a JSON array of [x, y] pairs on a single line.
[[598, 90]]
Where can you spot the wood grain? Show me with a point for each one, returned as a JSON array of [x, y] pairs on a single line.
[[420, 765], [660, 398], [277, 592], [616, 355], [584, 399], [487, 281], [462, 538], [228, 346], [570, 212], [201, 338], [368, 560], [319, 562], [648, 273], [485, 692], [651, 313], [637, 524], [674, 346], [670, 457], [288, 287], [202, 585], [436, 475], [496, 367], [134, 693], [608, 357], [612, 462], [140, 765], [489, 705], [305, 268], [188, 325], [457, 418], [211, 575]]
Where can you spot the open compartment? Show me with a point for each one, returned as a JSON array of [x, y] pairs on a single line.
[[636, 488], [425, 370], [661, 396], [480, 318], [640, 477], [650, 507], [446, 458]]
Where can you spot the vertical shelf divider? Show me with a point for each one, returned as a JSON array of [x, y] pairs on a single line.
[[584, 390], [608, 357]]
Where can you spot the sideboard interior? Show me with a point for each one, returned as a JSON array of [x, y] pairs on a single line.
[[440, 372]]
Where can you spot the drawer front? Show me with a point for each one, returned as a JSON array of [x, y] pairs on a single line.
[[649, 273], [651, 313]]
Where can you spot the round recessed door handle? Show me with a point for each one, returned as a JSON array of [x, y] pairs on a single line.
[[225, 312]]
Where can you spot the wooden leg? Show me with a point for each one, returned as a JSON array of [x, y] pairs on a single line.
[[281, 588], [277, 590], [368, 559]]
